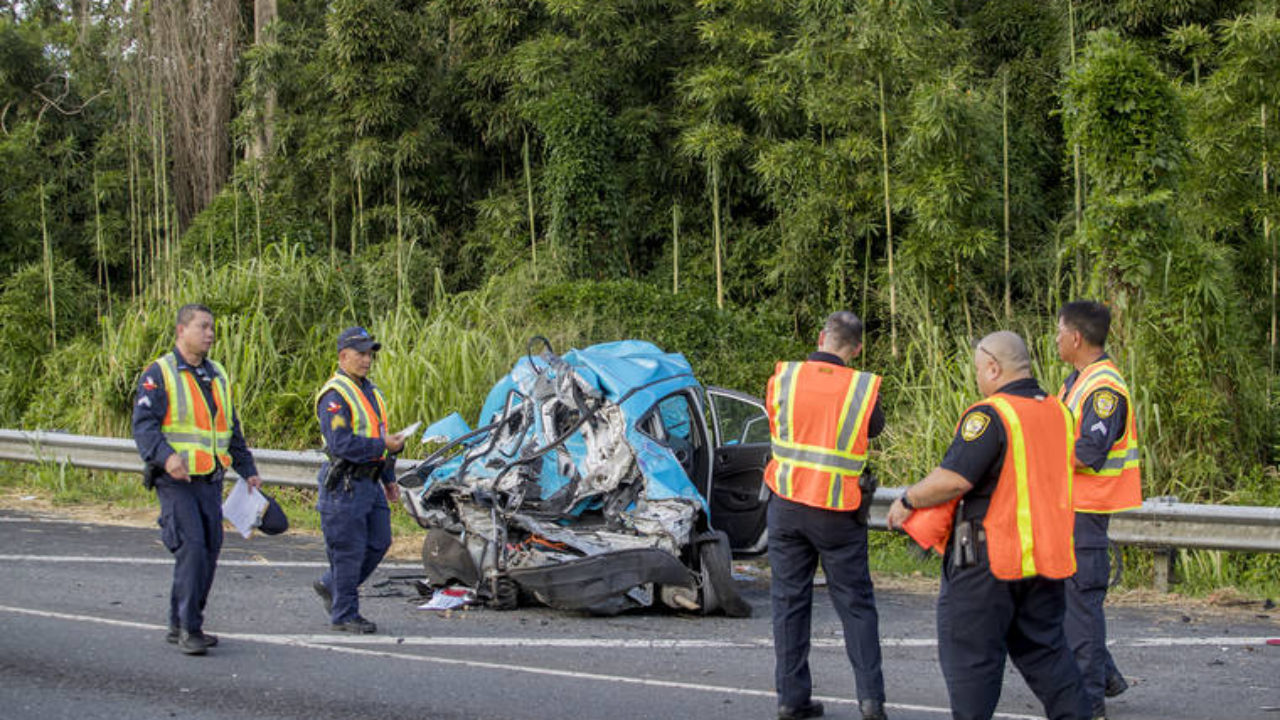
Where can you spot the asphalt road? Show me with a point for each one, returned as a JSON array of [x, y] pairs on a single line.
[[83, 610]]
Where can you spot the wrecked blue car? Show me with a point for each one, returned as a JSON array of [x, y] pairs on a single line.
[[602, 480]]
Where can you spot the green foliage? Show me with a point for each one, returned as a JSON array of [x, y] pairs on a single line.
[[26, 339]]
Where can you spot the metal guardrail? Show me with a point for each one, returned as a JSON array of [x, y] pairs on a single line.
[[275, 467], [1160, 523]]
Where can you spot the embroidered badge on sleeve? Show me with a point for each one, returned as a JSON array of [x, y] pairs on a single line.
[[334, 407], [338, 422], [975, 423], [1104, 403], [148, 384]]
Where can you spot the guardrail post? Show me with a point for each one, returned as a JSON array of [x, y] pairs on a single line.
[[1165, 560]]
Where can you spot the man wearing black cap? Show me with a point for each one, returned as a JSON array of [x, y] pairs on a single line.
[[357, 482]]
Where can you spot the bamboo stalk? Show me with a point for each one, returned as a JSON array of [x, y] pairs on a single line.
[[1075, 162], [888, 220], [1004, 112], [528, 186], [135, 249], [675, 248], [104, 279], [1269, 241], [359, 213], [399, 245], [47, 253], [333, 223], [715, 213]]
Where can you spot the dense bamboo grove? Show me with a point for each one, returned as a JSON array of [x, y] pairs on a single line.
[[714, 175]]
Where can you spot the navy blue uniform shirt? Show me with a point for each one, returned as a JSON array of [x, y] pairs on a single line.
[[340, 440], [152, 402], [977, 450], [875, 425], [1097, 433]]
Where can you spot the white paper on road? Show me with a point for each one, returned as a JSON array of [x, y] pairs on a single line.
[[244, 507], [448, 598]]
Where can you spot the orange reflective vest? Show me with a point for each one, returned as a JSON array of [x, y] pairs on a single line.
[[199, 434], [1118, 485], [366, 419], [1029, 521], [818, 419]]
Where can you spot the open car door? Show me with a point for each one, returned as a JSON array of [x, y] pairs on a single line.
[[738, 496]]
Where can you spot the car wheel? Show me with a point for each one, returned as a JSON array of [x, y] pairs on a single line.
[[716, 571], [506, 594]]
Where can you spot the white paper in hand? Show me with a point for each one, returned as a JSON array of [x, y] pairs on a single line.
[[243, 507], [409, 431]]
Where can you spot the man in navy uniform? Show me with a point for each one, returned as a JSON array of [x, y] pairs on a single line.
[[822, 412], [1108, 480], [1002, 493], [184, 421], [357, 482]]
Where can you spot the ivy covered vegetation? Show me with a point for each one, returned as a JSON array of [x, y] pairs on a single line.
[[712, 175]]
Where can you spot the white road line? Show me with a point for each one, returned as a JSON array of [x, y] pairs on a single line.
[[224, 562], [293, 641]]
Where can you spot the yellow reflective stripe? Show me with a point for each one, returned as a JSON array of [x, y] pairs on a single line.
[[182, 433], [818, 458], [834, 489], [859, 397], [1069, 430], [838, 457], [783, 405], [1017, 444], [176, 391], [363, 425]]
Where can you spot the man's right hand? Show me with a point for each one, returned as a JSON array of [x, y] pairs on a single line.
[[395, 443], [176, 468]]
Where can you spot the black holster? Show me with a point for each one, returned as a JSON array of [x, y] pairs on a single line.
[[867, 483], [149, 475], [964, 540]]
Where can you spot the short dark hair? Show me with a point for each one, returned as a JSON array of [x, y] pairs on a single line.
[[844, 328], [187, 312], [1091, 319]]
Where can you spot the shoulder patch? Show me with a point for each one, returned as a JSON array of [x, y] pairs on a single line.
[[1104, 403], [975, 423], [338, 422], [334, 407], [148, 384]]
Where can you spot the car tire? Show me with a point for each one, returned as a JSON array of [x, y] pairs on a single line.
[[506, 594], [716, 571]]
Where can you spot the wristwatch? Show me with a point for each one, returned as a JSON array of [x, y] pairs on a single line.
[[906, 501]]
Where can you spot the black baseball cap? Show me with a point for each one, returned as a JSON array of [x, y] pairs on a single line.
[[359, 339]]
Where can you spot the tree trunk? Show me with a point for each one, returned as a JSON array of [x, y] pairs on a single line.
[[265, 12]]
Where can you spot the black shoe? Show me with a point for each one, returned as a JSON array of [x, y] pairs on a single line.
[[326, 597], [1116, 684], [360, 626], [192, 643], [810, 709], [872, 710], [210, 639]]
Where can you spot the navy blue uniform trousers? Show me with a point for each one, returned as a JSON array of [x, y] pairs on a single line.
[[982, 619], [1086, 624], [357, 533], [799, 536], [191, 528]]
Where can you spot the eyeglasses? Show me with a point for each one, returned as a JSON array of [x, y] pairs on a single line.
[[993, 357]]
